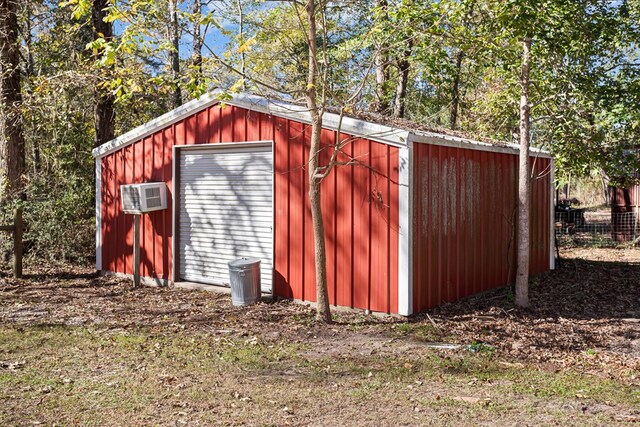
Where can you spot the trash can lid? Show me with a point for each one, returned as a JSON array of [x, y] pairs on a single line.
[[243, 262]]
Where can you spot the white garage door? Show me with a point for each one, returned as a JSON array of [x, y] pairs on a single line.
[[225, 211]]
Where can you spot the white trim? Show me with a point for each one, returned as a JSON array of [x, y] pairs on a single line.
[[469, 144], [232, 145], [405, 270], [273, 218], [552, 231], [174, 199], [165, 120], [355, 127], [98, 214]]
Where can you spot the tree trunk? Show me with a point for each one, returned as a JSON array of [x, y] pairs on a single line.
[[104, 111], [604, 180], [381, 105], [455, 91], [323, 313], [403, 78], [241, 40], [12, 152], [29, 67], [197, 41], [524, 183], [174, 54], [381, 62]]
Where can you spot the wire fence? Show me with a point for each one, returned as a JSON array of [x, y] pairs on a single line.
[[597, 228]]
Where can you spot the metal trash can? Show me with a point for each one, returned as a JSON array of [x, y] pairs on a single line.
[[244, 277]]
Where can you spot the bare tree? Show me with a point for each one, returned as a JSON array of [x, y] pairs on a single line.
[[104, 111], [524, 181], [12, 151]]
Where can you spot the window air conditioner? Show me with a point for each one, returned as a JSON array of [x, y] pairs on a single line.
[[141, 198]]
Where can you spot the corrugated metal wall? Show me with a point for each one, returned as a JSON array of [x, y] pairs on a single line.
[[464, 211], [464, 208], [360, 203]]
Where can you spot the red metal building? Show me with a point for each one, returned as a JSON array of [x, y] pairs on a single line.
[[417, 219]]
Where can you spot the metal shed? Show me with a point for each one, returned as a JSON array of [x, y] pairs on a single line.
[[420, 219]]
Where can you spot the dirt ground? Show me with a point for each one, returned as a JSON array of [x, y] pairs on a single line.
[[78, 349], [589, 304]]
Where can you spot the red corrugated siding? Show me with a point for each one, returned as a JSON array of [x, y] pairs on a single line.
[[464, 211], [360, 205]]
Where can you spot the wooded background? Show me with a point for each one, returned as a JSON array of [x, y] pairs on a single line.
[[75, 74]]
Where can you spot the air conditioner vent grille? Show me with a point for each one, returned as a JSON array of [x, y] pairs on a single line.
[[130, 197], [153, 197], [146, 197]]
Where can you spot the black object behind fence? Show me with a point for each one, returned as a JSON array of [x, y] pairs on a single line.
[[597, 227]]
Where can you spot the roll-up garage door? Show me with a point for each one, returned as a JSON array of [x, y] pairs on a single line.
[[225, 211]]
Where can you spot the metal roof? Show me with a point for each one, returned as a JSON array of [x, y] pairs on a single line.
[[396, 136]]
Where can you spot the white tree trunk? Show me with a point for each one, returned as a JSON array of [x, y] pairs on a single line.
[[524, 183]]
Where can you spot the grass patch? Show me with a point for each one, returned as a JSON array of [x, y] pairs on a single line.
[[83, 376], [420, 331], [536, 382]]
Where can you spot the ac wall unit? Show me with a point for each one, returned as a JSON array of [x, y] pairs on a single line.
[[141, 198]]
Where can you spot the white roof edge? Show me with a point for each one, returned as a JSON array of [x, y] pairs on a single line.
[[355, 127], [458, 142], [156, 124]]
